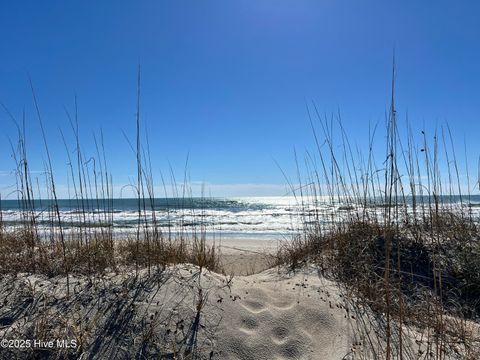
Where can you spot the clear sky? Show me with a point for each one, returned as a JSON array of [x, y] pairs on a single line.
[[226, 81]]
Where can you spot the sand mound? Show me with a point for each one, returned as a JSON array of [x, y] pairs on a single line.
[[182, 313]]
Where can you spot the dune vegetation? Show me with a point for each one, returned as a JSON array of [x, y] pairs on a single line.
[[404, 240]]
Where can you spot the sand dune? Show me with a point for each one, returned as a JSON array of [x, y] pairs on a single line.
[[181, 312]]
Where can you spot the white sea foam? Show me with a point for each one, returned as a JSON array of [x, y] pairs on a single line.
[[252, 217]]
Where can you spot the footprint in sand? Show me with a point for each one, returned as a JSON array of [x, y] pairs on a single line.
[[255, 307], [275, 320], [293, 349], [248, 324], [279, 334], [283, 305]]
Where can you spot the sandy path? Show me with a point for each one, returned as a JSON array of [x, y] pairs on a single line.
[[246, 256]]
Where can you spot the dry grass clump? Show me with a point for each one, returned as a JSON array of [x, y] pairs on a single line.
[[355, 253], [99, 255], [14, 253], [165, 252]]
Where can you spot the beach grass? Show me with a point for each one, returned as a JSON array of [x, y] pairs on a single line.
[[403, 238], [47, 243]]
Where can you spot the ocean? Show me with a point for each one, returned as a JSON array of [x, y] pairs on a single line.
[[246, 217]]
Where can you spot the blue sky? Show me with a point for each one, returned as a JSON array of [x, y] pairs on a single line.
[[226, 81]]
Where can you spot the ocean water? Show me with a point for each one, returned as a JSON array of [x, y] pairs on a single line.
[[269, 217], [248, 217]]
